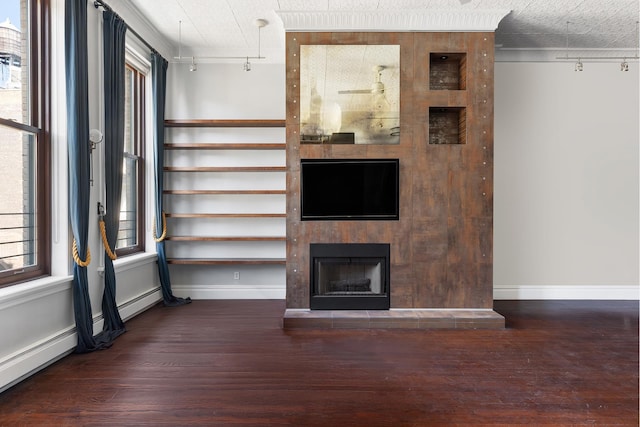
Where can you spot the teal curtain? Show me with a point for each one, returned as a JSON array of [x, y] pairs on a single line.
[[159, 75], [114, 30], [76, 64]]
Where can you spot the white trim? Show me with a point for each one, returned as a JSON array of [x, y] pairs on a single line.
[[566, 292], [229, 291], [27, 361], [393, 20], [60, 229], [141, 303], [131, 308], [132, 261], [23, 293], [141, 24], [36, 358], [137, 59]]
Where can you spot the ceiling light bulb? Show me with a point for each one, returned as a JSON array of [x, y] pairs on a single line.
[[193, 66]]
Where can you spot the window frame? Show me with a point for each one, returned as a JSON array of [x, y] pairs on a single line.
[[139, 131], [39, 124]]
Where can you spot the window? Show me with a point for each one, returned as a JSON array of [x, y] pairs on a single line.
[[131, 232], [24, 145]]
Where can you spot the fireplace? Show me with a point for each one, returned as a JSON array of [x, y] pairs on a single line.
[[349, 276]]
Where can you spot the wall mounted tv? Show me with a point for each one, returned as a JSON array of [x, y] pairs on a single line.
[[349, 189]]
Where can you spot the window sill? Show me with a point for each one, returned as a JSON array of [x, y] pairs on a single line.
[[38, 288], [132, 261]]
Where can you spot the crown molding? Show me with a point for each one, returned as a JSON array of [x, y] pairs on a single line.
[[141, 24], [393, 20]]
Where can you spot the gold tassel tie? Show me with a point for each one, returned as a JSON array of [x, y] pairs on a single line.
[[164, 229], [105, 243], [76, 257]]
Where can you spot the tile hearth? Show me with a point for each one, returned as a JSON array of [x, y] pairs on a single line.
[[394, 318]]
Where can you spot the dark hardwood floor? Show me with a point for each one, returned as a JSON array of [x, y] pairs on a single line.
[[230, 363]]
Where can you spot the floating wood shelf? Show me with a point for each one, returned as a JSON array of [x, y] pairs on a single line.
[[225, 123], [227, 261], [226, 215], [258, 147], [223, 192], [225, 146], [226, 169], [227, 238]]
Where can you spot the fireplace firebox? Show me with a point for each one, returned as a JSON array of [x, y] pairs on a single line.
[[349, 276]]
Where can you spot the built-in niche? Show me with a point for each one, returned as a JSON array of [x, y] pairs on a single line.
[[447, 71], [350, 94], [447, 125]]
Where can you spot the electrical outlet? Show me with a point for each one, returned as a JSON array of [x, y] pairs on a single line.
[[236, 275]]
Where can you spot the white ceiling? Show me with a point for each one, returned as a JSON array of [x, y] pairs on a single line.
[[227, 27]]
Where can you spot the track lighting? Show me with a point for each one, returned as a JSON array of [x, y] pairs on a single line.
[[260, 23], [624, 65]]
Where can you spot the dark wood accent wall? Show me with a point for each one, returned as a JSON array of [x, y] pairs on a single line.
[[441, 248]]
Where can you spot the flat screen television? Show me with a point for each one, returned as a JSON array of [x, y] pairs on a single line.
[[349, 189]]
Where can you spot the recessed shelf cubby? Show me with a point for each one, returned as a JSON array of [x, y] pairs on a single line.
[[447, 71], [447, 125]]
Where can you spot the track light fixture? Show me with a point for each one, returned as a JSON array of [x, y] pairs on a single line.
[[193, 66], [624, 66]]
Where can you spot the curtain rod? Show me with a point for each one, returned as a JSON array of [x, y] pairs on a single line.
[[105, 6]]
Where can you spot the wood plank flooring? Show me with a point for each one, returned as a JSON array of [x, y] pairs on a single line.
[[230, 363]]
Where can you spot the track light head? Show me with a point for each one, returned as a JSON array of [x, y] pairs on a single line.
[[247, 65], [579, 65], [624, 66]]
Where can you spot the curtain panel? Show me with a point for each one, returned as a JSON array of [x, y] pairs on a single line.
[[159, 75], [114, 33], [76, 64]]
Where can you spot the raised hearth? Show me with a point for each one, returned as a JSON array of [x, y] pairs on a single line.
[[393, 319]]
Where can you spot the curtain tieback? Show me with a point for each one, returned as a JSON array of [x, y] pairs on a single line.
[[76, 257], [105, 242], [164, 229]]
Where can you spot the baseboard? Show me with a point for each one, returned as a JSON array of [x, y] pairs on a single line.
[[500, 292], [568, 292], [43, 353], [229, 291], [131, 308]]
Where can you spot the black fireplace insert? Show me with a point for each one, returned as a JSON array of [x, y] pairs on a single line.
[[349, 276]]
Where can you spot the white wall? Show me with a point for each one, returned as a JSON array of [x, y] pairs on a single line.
[[566, 181], [37, 320], [566, 170], [225, 91]]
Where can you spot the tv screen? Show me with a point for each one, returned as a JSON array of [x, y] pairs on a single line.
[[349, 189]]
